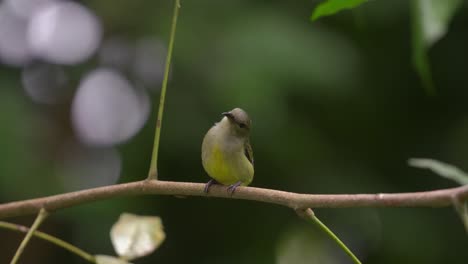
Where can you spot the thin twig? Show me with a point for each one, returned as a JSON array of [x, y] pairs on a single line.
[[51, 239], [153, 171], [310, 217], [40, 217], [438, 198]]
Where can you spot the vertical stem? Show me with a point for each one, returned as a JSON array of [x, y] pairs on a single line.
[[309, 216], [51, 239], [153, 171], [40, 217]]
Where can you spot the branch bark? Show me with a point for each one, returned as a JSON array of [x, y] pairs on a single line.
[[296, 201]]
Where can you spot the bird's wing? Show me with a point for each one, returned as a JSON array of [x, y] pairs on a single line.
[[248, 151]]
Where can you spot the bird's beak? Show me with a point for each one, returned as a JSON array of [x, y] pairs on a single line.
[[227, 114]]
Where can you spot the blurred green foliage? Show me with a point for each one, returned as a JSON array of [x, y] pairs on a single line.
[[430, 21], [336, 108]]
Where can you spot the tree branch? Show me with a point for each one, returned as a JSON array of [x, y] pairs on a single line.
[[437, 198]]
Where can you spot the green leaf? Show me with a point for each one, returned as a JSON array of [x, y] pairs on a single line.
[[103, 259], [331, 7], [442, 169], [450, 172], [462, 209], [136, 236], [430, 20]]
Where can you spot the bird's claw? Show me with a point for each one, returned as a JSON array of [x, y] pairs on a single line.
[[232, 188], [208, 185]]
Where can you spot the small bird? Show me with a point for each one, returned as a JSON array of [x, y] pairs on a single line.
[[227, 156]]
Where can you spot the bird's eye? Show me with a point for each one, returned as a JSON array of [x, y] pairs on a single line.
[[242, 125]]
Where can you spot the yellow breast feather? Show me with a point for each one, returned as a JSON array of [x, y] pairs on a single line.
[[220, 168]]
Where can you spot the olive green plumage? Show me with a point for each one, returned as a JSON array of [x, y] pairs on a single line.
[[227, 155]]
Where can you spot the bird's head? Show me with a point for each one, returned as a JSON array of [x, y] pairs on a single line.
[[239, 121]]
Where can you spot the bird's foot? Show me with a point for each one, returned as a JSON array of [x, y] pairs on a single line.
[[232, 188], [208, 185]]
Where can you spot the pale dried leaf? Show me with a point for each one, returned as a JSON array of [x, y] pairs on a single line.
[[104, 259], [135, 236]]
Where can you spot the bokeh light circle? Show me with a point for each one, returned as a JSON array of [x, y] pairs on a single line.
[[44, 83], [14, 49], [26, 8], [107, 110], [83, 167], [64, 33]]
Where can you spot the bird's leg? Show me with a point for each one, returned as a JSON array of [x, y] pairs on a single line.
[[233, 187], [208, 185]]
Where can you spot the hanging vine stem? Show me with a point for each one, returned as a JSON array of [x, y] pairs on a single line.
[[39, 219], [153, 171], [54, 240], [310, 217]]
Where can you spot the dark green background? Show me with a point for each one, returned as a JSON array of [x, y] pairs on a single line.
[[336, 108]]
